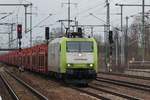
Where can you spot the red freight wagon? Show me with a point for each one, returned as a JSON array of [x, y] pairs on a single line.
[[34, 58]]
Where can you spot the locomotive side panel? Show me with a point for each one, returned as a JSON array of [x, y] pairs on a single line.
[[54, 56]]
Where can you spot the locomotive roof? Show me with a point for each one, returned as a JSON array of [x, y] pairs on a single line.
[[58, 40]]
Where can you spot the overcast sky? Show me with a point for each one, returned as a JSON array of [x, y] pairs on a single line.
[[42, 8]]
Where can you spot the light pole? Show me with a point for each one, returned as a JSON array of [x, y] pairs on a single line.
[[143, 28], [126, 41]]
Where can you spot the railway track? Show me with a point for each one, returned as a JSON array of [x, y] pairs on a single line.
[[104, 94], [10, 94], [124, 83], [114, 94], [21, 90], [90, 93], [126, 75]]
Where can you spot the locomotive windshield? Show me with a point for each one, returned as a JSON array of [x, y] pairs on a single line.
[[79, 46]]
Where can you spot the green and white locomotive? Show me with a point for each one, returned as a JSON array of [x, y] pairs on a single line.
[[73, 58]]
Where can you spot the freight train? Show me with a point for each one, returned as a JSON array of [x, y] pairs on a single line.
[[66, 57]]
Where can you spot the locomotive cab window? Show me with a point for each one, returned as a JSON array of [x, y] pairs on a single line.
[[79, 46]]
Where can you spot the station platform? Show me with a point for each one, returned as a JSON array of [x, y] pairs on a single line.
[[138, 72]]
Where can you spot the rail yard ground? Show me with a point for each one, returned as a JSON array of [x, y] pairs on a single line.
[[51, 89], [3, 91], [136, 86], [139, 72], [106, 86]]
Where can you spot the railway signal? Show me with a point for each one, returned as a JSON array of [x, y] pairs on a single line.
[[19, 31], [47, 33], [111, 37], [111, 42]]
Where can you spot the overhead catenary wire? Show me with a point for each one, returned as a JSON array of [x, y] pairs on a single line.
[[6, 16], [39, 23], [88, 9], [102, 21]]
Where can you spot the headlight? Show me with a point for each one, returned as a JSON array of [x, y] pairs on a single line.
[[91, 65], [68, 65]]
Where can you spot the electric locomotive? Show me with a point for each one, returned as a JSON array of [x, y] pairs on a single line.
[[73, 58]]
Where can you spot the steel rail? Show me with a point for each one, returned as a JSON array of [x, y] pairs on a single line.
[[115, 93], [125, 75], [10, 90], [125, 83], [37, 93], [91, 93]]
